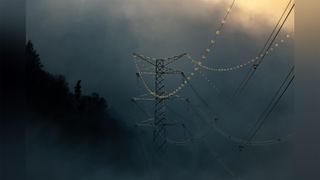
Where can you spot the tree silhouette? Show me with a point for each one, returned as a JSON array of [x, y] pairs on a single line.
[[78, 116], [77, 90]]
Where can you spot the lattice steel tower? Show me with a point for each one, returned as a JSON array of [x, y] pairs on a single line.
[[159, 122]]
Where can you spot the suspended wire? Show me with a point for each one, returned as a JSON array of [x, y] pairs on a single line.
[[234, 67], [209, 81], [188, 78], [214, 153], [263, 117], [150, 165], [218, 31], [239, 66], [273, 99], [182, 85], [224, 165], [253, 70], [226, 135], [222, 132], [186, 129], [275, 28]]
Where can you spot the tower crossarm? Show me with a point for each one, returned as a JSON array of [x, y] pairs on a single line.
[[142, 57], [175, 58]]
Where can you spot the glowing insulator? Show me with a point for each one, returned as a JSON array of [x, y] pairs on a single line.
[[288, 36], [189, 78], [208, 50], [212, 41], [282, 41], [192, 74], [196, 69], [185, 82], [217, 32], [277, 45], [223, 21], [204, 57], [199, 63]]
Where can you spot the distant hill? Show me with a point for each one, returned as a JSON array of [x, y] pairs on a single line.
[[79, 117]]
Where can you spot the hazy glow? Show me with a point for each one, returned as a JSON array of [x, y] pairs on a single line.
[[171, 23], [248, 12]]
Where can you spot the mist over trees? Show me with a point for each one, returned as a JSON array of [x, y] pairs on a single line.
[[79, 117]]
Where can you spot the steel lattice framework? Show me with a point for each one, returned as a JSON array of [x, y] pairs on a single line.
[[160, 121], [160, 67]]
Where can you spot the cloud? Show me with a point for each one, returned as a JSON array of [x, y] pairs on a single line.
[[93, 40], [251, 13]]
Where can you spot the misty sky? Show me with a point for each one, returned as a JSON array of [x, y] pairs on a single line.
[[93, 40]]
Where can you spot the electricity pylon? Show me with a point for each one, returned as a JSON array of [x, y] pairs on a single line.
[[160, 121]]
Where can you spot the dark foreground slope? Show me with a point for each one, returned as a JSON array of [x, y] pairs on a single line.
[[65, 119]]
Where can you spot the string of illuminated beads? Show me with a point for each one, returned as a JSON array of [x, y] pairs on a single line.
[[198, 65], [213, 124], [209, 81], [172, 93], [217, 33], [196, 69], [183, 84], [252, 61]]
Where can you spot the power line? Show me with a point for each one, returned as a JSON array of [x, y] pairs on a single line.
[[275, 28], [159, 95], [273, 98], [265, 115], [224, 133], [252, 71]]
